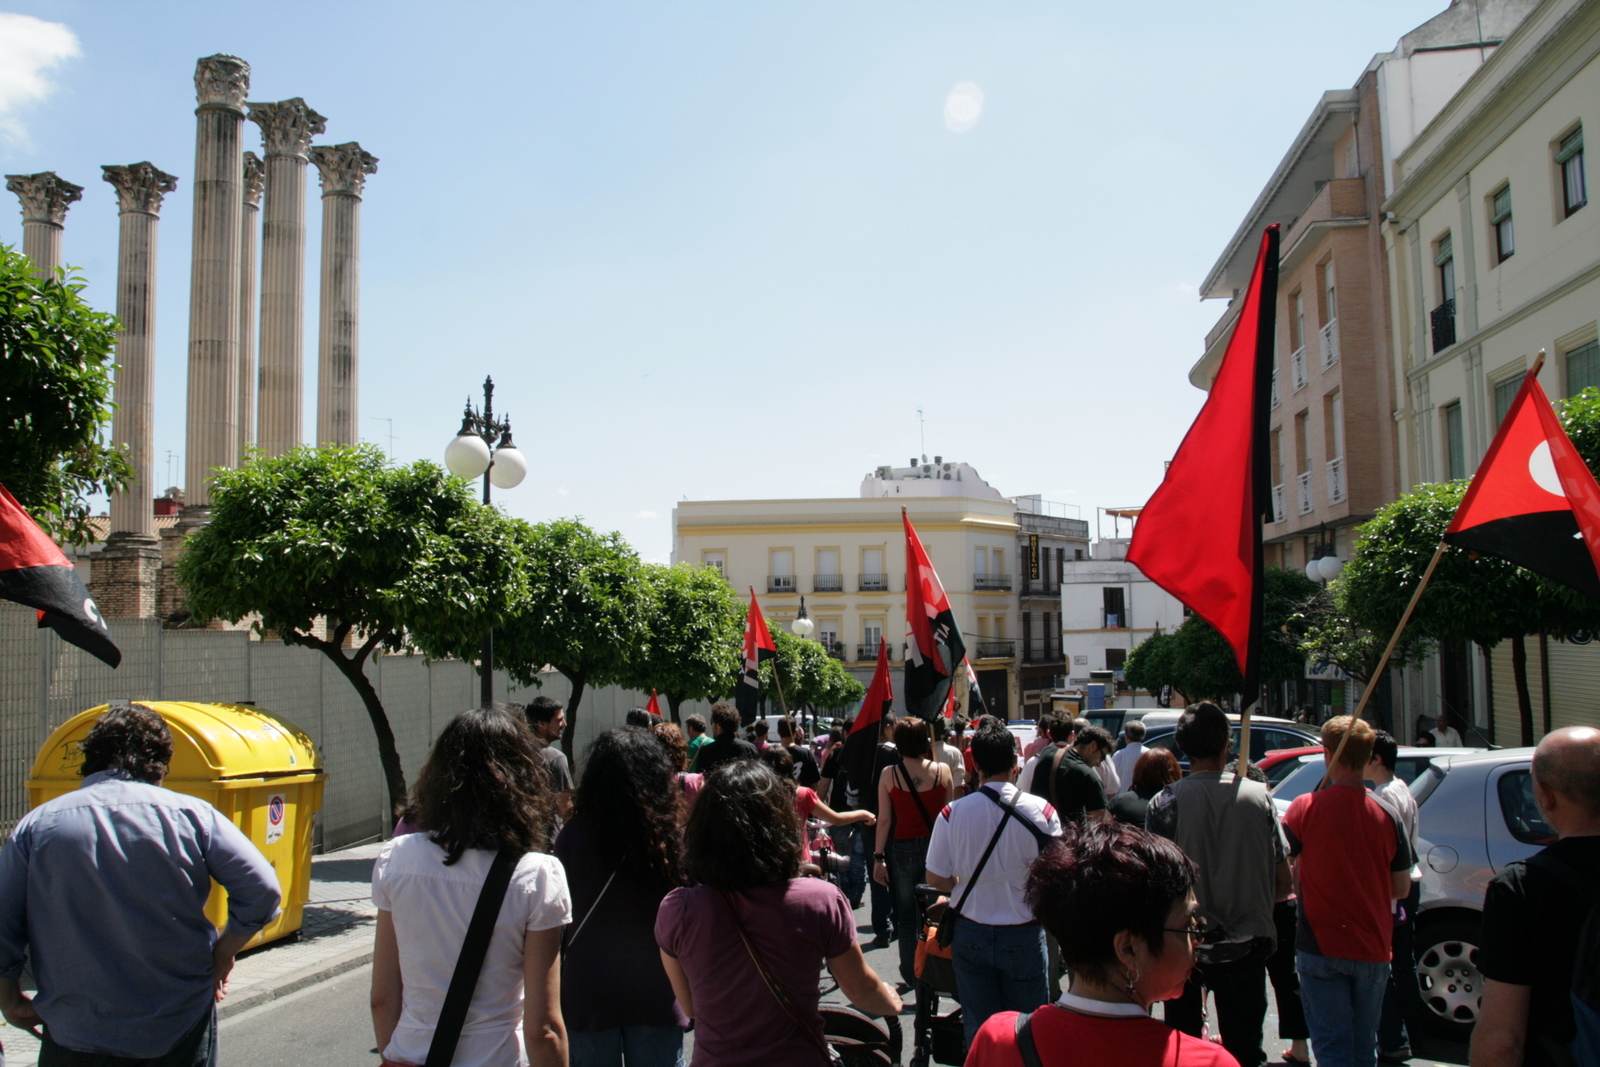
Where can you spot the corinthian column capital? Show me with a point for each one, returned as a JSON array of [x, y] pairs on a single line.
[[255, 176], [286, 126], [44, 196], [343, 168], [140, 187], [222, 81]]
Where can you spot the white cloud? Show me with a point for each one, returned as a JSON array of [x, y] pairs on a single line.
[[29, 48], [1184, 289], [963, 107], [644, 514]]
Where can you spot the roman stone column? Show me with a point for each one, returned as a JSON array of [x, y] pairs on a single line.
[[343, 169], [124, 574], [221, 83], [286, 131], [45, 198], [253, 178]]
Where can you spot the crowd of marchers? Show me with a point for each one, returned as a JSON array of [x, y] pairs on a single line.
[[525, 917]]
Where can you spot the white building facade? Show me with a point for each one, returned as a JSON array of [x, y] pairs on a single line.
[[1108, 607]]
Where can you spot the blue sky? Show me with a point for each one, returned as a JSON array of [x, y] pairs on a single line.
[[727, 250]]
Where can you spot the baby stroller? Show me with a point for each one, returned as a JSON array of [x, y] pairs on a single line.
[[935, 1038], [861, 1040], [829, 865]]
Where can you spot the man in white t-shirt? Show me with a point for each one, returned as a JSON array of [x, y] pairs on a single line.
[[949, 755], [996, 928], [1128, 755], [1445, 734], [1400, 996]]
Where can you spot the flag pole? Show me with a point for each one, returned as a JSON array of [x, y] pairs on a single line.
[[778, 686]]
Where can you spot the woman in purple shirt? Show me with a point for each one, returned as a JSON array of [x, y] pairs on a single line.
[[752, 931]]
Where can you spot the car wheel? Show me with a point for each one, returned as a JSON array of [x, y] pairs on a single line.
[[1448, 977]]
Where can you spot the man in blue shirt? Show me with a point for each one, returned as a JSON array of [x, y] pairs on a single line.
[[105, 889]]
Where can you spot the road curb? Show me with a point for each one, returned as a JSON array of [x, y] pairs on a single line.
[[296, 981]]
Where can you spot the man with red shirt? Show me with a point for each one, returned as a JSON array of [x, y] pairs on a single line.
[[1352, 859]]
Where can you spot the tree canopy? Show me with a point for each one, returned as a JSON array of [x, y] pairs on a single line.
[[807, 675], [695, 624], [55, 398]]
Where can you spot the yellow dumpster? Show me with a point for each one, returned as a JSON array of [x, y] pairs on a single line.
[[256, 767]]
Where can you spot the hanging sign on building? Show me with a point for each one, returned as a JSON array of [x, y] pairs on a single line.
[[1033, 557]]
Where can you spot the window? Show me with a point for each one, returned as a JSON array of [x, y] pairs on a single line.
[[715, 561], [1333, 432], [1297, 320], [1444, 257], [1077, 553], [1569, 157], [1583, 368], [980, 562], [1504, 393], [1115, 658], [871, 634], [780, 573], [1520, 812], [827, 578], [1112, 601], [1455, 445], [828, 634], [1500, 218], [873, 578]]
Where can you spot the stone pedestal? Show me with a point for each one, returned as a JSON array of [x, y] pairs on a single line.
[[286, 131], [45, 199], [221, 83], [254, 176], [343, 169], [125, 576]]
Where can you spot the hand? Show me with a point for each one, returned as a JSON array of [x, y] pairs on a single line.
[[867, 818], [880, 873], [221, 967], [20, 1013]]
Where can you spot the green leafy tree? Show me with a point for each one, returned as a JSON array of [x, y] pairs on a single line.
[[333, 549], [55, 398], [585, 614], [810, 679], [1332, 637], [695, 626]]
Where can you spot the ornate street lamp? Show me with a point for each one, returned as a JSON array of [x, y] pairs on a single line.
[[470, 455], [802, 626]]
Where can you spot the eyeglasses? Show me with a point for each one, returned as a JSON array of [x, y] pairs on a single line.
[[1198, 933]]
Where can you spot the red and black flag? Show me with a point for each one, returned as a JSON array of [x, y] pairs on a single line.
[[33, 571], [974, 694], [861, 745], [934, 644], [1533, 500], [1199, 537], [757, 647]]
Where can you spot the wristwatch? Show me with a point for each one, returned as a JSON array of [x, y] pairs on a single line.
[[880, 857]]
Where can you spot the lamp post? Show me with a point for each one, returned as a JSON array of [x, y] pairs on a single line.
[[802, 628], [1324, 565], [474, 452]]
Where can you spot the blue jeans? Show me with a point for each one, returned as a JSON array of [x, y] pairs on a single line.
[[636, 1046], [998, 968], [1342, 1000], [908, 865], [860, 878]]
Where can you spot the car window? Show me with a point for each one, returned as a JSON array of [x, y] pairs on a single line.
[[1170, 743], [1520, 810], [1409, 768], [1304, 779], [1423, 785], [1281, 770]]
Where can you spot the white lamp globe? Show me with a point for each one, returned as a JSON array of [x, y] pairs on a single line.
[[1313, 571], [510, 467], [466, 456], [802, 627], [1328, 567]]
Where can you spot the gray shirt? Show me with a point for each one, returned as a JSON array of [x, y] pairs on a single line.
[[1230, 829], [106, 889]]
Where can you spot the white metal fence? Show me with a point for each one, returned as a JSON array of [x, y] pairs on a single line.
[[44, 682]]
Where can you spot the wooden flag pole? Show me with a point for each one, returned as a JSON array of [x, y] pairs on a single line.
[[776, 684], [1244, 738]]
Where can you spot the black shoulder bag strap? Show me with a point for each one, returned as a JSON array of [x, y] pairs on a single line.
[[453, 1016], [1027, 1048], [1044, 839], [911, 787]]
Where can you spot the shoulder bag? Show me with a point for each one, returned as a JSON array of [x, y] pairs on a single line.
[[1008, 810], [775, 987], [453, 1016]]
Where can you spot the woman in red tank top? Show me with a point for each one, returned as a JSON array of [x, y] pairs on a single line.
[[911, 794]]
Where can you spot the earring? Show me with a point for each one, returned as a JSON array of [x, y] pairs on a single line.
[[1133, 980]]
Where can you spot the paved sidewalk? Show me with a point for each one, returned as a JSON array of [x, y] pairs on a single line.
[[336, 937]]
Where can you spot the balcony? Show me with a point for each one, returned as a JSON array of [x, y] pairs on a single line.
[[990, 583], [1444, 325], [1330, 344], [834, 649], [1297, 359], [1038, 650], [1275, 385], [1336, 488], [780, 583], [1277, 503], [1304, 480], [1038, 587], [874, 583], [828, 583], [992, 649], [867, 651]]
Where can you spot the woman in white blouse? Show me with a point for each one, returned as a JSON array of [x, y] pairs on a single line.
[[482, 790]]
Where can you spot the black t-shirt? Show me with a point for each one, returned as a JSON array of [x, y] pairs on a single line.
[[1078, 788], [1531, 921], [720, 750], [805, 765], [1130, 807], [838, 786]]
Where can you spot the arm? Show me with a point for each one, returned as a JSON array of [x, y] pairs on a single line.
[[1400, 884], [1283, 876], [881, 839], [949, 782], [222, 954], [828, 815], [940, 882], [14, 1004], [18, 1008], [543, 1030], [1501, 1034], [680, 984], [861, 985], [387, 988]]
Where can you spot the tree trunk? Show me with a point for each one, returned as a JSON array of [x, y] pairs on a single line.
[[1488, 687], [577, 678], [674, 707], [354, 670], [1519, 672]]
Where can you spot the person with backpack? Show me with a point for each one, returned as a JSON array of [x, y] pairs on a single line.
[[981, 848], [1540, 949], [911, 792]]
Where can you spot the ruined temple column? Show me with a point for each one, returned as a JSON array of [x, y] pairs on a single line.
[[343, 169], [221, 83], [253, 176], [123, 575], [45, 198], [286, 131]]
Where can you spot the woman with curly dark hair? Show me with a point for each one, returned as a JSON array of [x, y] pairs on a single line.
[[745, 946], [623, 851], [482, 791], [1121, 902]]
